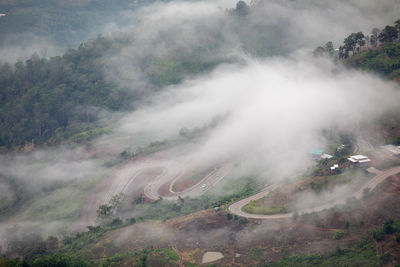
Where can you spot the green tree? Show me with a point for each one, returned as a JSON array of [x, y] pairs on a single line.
[[388, 34]]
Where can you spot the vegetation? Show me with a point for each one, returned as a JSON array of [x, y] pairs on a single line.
[[38, 252], [389, 227], [162, 209], [51, 100], [365, 254], [378, 52], [338, 234], [65, 22], [254, 208]]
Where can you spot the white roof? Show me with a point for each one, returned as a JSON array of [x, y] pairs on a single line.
[[364, 161], [352, 160], [359, 157], [333, 168], [336, 165], [326, 156]]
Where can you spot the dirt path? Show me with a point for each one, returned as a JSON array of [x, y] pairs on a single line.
[[236, 208]]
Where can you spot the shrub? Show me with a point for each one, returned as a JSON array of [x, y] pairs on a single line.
[[388, 227], [378, 235], [338, 234], [243, 220]]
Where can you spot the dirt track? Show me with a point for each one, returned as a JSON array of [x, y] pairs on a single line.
[[236, 208]]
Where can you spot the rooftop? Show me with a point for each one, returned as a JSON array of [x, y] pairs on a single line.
[[318, 152], [359, 157]]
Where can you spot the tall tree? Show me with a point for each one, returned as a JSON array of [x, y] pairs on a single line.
[[374, 37], [388, 34]]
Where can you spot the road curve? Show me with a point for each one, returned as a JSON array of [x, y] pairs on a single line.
[[151, 190], [236, 208], [132, 175]]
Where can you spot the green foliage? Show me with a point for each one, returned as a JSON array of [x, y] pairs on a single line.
[[362, 255], [49, 100], [243, 220], [255, 208], [162, 209], [388, 228], [49, 260], [338, 234], [10, 262], [65, 22], [67, 260], [113, 260], [384, 60], [257, 251], [56, 99], [378, 235]]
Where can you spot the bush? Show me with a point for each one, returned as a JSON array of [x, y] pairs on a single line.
[[243, 220], [338, 234], [116, 222], [378, 235], [388, 227]]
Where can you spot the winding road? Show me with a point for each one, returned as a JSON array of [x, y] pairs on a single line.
[[152, 190], [154, 174], [380, 176], [151, 175]]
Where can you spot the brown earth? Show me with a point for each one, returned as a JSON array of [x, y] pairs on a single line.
[[260, 242]]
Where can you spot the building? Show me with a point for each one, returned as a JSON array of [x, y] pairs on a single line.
[[335, 167], [326, 156], [360, 160], [317, 152]]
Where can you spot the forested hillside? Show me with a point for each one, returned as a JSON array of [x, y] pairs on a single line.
[[50, 100], [40, 97], [378, 52], [65, 22], [46, 101]]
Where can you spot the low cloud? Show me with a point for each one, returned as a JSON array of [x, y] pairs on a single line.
[[277, 109]]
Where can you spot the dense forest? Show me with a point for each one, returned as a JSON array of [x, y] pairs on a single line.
[[50, 100], [46, 101], [65, 22], [39, 97]]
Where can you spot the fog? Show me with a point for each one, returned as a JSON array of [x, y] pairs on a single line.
[[277, 109], [277, 99]]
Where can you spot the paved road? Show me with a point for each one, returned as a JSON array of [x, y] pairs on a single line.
[[236, 208], [152, 189], [125, 180], [153, 174]]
